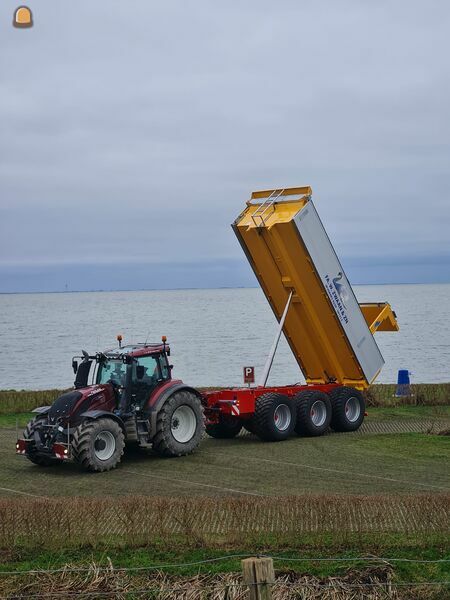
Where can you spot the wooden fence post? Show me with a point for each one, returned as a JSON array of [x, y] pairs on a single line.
[[259, 575]]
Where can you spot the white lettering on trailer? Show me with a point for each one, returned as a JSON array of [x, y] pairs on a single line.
[[339, 291]]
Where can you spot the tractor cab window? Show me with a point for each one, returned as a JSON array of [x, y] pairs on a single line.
[[146, 370], [112, 371], [146, 375]]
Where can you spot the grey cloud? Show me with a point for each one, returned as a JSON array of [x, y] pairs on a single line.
[[134, 131]]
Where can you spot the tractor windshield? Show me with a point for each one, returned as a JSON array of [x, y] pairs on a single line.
[[112, 371]]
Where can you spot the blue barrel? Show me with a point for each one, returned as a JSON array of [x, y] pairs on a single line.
[[403, 384]]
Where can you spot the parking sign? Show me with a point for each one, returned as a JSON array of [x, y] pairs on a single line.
[[249, 375]]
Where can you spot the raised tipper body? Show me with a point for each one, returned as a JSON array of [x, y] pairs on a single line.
[[290, 251]]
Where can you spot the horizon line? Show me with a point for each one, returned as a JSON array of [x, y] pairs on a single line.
[[175, 289]]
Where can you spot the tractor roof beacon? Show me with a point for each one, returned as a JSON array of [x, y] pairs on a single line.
[[132, 398], [122, 396]]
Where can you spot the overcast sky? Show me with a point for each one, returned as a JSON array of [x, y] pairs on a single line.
[[132, 132]]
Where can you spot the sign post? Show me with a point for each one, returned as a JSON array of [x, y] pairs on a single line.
[[249, 375]]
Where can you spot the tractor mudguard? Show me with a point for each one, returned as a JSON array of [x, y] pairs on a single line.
[[97, 414], [154, 410], [41, 410]]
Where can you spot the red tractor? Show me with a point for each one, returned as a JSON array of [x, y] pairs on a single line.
[[132, 399]]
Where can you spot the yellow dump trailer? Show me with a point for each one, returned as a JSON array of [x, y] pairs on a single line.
[[330, 334]]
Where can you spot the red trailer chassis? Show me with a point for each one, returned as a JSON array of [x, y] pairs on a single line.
[[241, 402], [274, 413]]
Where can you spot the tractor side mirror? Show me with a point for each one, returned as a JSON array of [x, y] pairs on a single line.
[[140, 372], [75, 366]]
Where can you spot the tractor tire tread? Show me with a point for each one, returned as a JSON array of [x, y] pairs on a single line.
[[82, 445], [164, 443]]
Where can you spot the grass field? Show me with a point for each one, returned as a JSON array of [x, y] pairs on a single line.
[[383, 491], [245, 466]]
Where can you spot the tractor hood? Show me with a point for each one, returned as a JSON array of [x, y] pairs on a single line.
[[69, 406]]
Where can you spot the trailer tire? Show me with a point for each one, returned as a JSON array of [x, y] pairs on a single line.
[[249, 425], [274, 418], [98, 444], [37, 459], [313, 412], [179, 425], [228, 427], [348, 407]]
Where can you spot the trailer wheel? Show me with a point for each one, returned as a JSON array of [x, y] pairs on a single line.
[[348, 409], [249, 425], [34, 457], [179, 425], [274, 418], [313, 412], [228, 427], [98, 445]]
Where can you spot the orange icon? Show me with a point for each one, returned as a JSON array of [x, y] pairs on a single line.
[[23, 17]]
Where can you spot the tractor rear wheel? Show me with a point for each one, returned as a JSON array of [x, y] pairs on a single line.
[[98, 445], [228, 427], [313, 412], [274, 418], [348, 409], [34, 457], [179, 425]]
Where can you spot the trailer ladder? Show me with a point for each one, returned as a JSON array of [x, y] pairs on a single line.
[[264, 207]]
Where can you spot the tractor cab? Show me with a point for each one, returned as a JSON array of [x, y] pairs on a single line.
[[133, 371]]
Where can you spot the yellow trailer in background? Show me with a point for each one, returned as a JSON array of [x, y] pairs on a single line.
[[330, 334]]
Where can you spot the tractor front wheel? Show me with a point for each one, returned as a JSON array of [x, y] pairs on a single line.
[[228, 427], [98, 445], [179, 425]]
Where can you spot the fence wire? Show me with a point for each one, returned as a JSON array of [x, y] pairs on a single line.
[[319, 559]]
